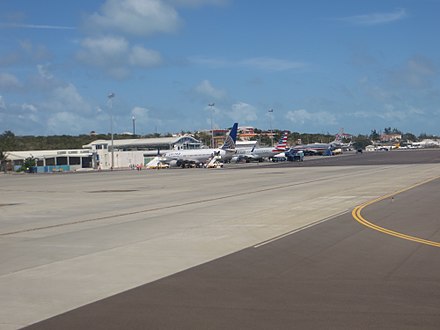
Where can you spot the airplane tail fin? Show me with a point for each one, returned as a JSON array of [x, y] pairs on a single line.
[[282, 143], [231, 138]]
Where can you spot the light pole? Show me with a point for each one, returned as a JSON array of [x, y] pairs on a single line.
[[211, 105], [110, 100], [270, 121]]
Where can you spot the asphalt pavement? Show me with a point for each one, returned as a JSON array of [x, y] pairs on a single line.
[[335, 275], [272, 246]]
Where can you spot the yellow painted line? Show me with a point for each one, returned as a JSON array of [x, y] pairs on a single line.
[[356, 213]]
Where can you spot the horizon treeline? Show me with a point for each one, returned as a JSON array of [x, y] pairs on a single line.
[[11, 142]]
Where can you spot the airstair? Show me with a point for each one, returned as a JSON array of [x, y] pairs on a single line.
[[156, 163], [214, 162]]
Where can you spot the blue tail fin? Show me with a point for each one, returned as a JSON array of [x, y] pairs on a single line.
[[231, 138]]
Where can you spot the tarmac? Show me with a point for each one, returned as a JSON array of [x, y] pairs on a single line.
[[261, 247]]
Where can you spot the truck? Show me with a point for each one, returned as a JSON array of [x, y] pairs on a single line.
[[293, 155]]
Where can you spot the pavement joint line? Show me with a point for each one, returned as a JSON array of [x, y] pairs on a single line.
[[356, 213], [207, 200], [276, 238]]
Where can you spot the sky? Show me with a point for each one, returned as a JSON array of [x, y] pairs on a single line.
[[308, 66]]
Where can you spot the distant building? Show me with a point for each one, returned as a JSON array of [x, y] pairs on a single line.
[[341, 135], [219, 137], [98, 154], [246, 133], [129, 152], [52, 160], [147, 144], [394, 137]]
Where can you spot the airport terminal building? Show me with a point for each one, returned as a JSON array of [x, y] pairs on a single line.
[[51, 160], [98, 154], [131, 152]]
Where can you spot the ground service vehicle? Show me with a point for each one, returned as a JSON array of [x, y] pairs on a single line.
[[294, 155]]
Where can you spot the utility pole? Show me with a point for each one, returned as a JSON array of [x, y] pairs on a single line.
[[270, 121], [211, 106], [110, 99], [134, 125]]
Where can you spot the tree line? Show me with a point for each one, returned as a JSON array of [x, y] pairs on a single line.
[[11, 142]]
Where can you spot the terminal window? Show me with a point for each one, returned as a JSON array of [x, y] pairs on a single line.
[[61, 160], [74, 161]]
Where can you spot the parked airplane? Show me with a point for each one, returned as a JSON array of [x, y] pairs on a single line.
[[335, 146], [315, 148], [199, 157], [258, 154]]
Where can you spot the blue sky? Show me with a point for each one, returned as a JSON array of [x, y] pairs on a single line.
[[320, 65]]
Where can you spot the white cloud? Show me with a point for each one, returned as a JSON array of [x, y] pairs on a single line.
[[66, 99], [415, 73], [390, 113], [303, 116], [243, 113], [8, 81], [206, 89], [146, 121], [24, 118], [401, 113], [66, 122], [376, 18], [43, 70], [142, 57], [141, 116], [103, 51], [107, 45], [29, 107], [114, 54], [140, 113], [30, 112], [134, 17]]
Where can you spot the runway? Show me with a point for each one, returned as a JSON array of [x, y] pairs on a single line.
[[183, 241]]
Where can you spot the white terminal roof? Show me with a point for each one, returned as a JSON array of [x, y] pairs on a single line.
[[144, 142], [16, 155]]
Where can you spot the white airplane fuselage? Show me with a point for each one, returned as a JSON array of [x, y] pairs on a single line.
[[197, 156], [201, 156], [258, 153]]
